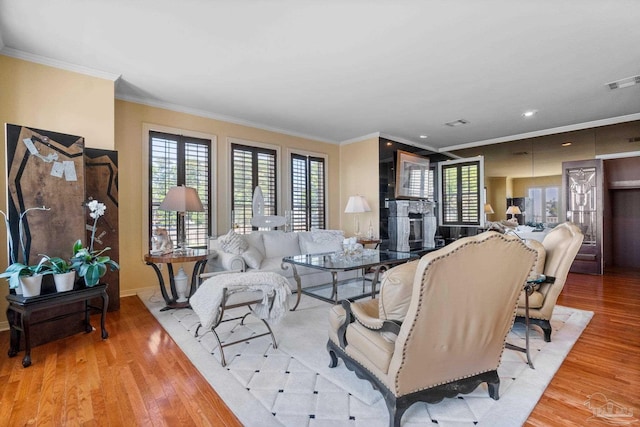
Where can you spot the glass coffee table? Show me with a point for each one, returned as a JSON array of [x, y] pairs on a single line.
[[335, 262]]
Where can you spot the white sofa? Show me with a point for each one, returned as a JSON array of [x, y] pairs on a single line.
[[264, 250]]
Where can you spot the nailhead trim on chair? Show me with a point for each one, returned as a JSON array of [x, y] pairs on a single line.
[[473, 242]]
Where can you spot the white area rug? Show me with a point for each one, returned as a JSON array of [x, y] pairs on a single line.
[[293, 385]]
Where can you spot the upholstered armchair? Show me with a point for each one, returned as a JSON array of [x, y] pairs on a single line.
[[439, 325], [555, 256]]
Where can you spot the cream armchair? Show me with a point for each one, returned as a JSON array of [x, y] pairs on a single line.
[[439, 325], [556, 254]]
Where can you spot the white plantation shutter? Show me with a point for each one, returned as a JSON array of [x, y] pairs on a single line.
[[251, 167], [308, 192], [461, 198], [179, 160]]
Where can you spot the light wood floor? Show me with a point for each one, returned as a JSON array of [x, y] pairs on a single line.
[[139, 376]]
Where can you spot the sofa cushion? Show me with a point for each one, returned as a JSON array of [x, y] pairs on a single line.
[[233, 243], [278, 244], [395, 291], [319, 241]]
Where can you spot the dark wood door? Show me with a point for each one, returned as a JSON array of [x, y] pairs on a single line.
[[582, 183]]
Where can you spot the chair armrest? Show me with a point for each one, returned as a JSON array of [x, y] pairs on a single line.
[[363, 312], [226, 261]]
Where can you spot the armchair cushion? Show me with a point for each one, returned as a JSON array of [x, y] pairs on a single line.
[[370, 346], [395, 291]]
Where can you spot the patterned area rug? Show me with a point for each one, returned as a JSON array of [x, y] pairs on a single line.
[[293, 385]]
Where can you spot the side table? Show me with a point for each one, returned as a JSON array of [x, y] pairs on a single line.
[[20, 309], [529, 287], [199, 256]]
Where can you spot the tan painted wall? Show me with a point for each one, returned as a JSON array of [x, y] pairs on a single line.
[[521, 185], [359, 175], [130, 118], [497, 197], [48, 98]]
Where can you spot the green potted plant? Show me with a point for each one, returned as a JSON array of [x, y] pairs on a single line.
[[90, 264], [26, 278], [64, 275]]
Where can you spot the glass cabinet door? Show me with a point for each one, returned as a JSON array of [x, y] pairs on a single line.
[[583, 184]]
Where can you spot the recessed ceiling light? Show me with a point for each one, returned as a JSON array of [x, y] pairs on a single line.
[[529, 113], [566, 144], [389, 144], [423, 136]]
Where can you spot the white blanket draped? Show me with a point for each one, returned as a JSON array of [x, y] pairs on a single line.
[[206, 301]]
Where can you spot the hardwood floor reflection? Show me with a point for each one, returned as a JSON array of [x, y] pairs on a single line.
[[606, 358], [140, 376]]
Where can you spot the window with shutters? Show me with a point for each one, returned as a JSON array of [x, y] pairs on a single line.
[[308, 192], [252, 167], [460, 189], [180, 160]]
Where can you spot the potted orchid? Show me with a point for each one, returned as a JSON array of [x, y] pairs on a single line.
[[63, 274], [90, 264], [27, 278]]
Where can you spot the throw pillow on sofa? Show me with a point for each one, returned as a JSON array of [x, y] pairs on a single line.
[[253, 257], [233, 243]]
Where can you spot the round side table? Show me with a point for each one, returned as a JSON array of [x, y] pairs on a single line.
[[199, 256]]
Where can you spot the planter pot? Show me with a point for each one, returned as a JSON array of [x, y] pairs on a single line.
[[64, 281], [31, 285]]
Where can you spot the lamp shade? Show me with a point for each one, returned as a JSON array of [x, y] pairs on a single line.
[[488, 209], [357, 204], [182, 199], [513, 210]]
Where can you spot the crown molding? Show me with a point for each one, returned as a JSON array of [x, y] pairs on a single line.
[[360, 138], [611, 156], [409, 142], [14, 53], [209, 115], [545, 132]]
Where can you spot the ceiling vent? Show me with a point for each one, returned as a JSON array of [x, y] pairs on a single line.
[[457, 123], [629, 81], [521, 153]]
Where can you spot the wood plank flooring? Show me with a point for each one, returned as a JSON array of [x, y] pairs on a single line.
[[139, 376]]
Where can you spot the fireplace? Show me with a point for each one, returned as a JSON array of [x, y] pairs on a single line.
[[412, 225]]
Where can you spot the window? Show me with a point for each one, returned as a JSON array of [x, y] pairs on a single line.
[[250, 167], [544, 204], [308, 197], [460, 192], [179, 160]]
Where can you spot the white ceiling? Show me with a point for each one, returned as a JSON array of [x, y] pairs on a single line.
[[339, 70]]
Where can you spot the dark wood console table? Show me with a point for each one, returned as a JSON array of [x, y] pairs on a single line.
[[20, 309], [199, 256]]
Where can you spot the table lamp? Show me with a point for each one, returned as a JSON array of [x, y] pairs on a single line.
[[356, 205], [181, 199], [488, 210], [513, 211]]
